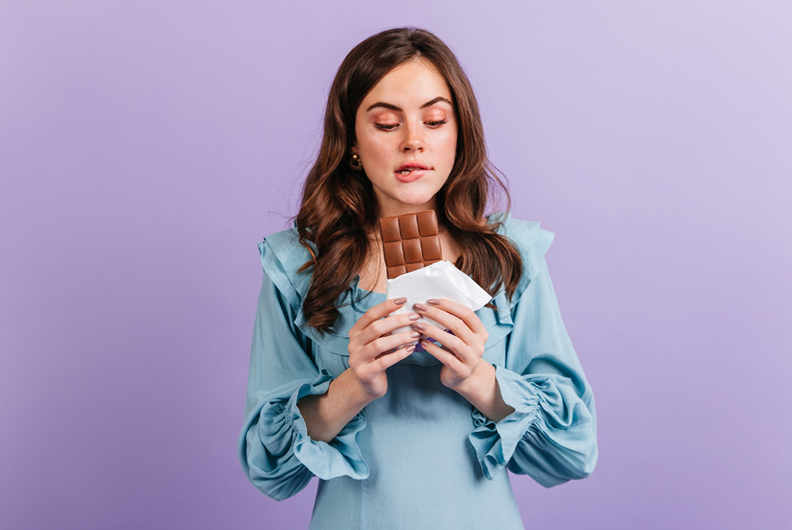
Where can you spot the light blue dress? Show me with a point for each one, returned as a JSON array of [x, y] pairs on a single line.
[[421, 457]]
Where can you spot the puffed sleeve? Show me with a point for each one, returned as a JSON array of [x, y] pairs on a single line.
[[275, 450], [551, 435]]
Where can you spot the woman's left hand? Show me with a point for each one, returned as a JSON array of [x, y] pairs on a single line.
[[461, 352]]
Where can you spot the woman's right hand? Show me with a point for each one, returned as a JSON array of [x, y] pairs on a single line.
[[372, 349]]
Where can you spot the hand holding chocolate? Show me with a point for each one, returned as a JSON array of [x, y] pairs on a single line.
[[411, 243]]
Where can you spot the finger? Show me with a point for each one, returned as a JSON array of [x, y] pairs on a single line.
[[449, 341], [462, 312], [386, 361], [445, 357], [385, 326], [377, 312], [448, 320], [391, 342]]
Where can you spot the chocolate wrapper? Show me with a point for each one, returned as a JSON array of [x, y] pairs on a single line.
[[438, 280]]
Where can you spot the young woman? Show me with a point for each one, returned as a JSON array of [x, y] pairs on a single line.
[[406, 435]]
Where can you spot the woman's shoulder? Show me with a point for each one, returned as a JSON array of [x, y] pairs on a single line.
[[282, 257], [531, 241], [286, 245], [529, 238]]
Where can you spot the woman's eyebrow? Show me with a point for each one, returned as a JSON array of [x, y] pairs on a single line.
[[384, 105], [436, 100]]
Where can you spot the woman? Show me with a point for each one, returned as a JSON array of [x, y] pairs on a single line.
[[406, 435]]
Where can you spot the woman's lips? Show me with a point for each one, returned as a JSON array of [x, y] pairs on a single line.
[[411, 171], [413, 165], [415, 174]]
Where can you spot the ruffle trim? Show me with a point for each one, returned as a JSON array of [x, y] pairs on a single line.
[[282, 255], [281, 426], [495, 443], [536, 420], [533, 243]]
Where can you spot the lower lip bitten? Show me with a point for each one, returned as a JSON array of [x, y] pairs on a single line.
[[407, 176]]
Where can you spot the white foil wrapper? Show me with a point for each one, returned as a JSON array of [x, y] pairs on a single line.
[[438, 280]]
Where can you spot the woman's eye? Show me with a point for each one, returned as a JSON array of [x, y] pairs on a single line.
[[436, 123], [386, 126]]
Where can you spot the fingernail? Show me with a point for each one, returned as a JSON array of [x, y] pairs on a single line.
[[400, 301], [415, 335], [414, 316], [411, 349], [420, 326], [421, 307], [433, 301]]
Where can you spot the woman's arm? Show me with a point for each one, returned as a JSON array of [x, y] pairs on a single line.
[[372, 350], [326, 414], [536, 414], [482, 391], [276, 451], [463, 368], [552, 434]]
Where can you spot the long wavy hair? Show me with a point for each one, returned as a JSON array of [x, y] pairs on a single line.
[[338, 210]]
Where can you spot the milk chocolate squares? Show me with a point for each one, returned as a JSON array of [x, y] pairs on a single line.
[[410, 242]]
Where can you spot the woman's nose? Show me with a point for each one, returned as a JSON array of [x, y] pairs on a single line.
[[412, 139]]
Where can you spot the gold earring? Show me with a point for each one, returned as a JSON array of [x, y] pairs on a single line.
[[355, 162]]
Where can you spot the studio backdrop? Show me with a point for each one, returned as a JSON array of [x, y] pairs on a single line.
[[146, 147]]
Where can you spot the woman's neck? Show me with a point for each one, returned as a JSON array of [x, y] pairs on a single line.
[[393, 208]]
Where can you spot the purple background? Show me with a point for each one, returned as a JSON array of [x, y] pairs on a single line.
[[147, 146]]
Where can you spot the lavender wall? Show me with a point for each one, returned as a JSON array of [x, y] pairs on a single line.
[[146, 146]]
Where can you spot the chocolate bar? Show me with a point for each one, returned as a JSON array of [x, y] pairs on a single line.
[[410, 241]]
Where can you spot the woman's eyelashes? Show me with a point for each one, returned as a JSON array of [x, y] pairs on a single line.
[[433, 124]]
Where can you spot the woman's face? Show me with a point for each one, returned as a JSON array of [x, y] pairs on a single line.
[[406, 136]]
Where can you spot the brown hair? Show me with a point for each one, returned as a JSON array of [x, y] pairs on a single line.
[[338, 208]]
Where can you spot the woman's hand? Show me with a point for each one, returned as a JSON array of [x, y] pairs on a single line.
[[372, 349], [461, 352], [463, 369]]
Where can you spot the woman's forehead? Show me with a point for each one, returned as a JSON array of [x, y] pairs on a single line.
[[414, 82]]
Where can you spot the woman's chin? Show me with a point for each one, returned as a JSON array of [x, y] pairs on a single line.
[[405, 203], [414, 205]]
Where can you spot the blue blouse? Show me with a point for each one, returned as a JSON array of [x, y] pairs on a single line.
[[421, 457]]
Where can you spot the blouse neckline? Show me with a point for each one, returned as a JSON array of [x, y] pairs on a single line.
[[363, 300]]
